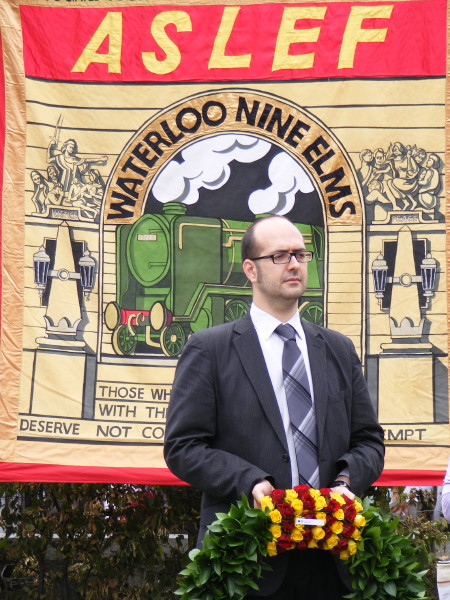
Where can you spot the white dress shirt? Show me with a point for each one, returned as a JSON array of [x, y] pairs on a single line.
[[445, 500], [272, 347]]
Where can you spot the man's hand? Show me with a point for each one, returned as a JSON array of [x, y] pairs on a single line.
[[261, 489], [344, 491], [340, 489]]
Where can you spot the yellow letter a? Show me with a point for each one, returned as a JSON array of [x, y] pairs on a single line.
[[110, 26]]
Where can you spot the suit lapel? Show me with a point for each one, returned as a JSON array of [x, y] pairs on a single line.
[[318, 364], [249, 351]]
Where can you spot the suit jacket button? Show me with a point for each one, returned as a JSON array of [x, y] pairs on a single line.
[[286, 457]]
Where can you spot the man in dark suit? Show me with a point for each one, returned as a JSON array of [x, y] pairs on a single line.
[[228, 426]]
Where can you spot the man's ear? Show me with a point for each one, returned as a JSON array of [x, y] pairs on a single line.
[[249, 269]]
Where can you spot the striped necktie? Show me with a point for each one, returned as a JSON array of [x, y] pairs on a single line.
[[300, 406]]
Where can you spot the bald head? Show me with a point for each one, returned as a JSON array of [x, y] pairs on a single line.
[[249, 244]]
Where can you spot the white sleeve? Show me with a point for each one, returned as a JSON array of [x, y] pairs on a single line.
[[446, 494]]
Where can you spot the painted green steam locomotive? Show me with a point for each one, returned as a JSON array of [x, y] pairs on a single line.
[[177, 274]]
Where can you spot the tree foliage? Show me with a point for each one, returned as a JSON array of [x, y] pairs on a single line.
[[87, 541]]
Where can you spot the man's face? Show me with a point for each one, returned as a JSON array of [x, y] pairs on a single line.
[[379, 158], [420, 157], [271, 282]]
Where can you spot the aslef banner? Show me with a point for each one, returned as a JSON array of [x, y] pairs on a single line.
[[141, 139]]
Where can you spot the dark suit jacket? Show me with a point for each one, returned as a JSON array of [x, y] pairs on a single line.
[[224, 431]]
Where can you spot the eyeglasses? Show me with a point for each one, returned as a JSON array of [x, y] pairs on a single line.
[[282, 258]]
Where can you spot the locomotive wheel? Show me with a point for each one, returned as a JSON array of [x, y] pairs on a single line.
[[173, 339], [235, 309], [312, 312], [123, 342]]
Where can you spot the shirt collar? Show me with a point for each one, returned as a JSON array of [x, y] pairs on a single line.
[[265, 323]]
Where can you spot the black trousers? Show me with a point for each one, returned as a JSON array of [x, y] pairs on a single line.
[[311, 575]]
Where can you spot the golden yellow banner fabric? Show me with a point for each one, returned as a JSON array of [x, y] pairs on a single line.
[[139, 145]]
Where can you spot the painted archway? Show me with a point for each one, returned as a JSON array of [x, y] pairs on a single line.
[[131, 191]]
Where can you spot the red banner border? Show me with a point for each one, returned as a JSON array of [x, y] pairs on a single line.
[[34, 472]]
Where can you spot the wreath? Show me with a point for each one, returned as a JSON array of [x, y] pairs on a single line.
[[381, 563]]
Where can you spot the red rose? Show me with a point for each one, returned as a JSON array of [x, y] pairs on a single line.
[[332, 506], [308, 502], [302, 545], [325, 491], [330, 520], [286, 510], [349, 512], [301, 489], [341, 545], [307, 535], [328, 533], [347, 499], [277, 495], [285, 542], [287, 526], [348, 530]]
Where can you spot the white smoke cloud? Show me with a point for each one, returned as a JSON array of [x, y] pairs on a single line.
[[287, 177], [206, 164]]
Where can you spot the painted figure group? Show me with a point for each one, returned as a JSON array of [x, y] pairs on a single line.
[[405, 177], [69, 181]]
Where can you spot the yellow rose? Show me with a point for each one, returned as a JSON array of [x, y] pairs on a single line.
[[275, 516], [290, 495], [337, 497], [331, 542], [314, 493], [356, 535], [312, 544], [318, 532], [275, 530], [359, 521], [266, 502], [320, 503], [297, 505], [297, 534], [358, 506], [337, 527], [339, 514], [344, 555], [271, 548], [321, 515], [352, 547]]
